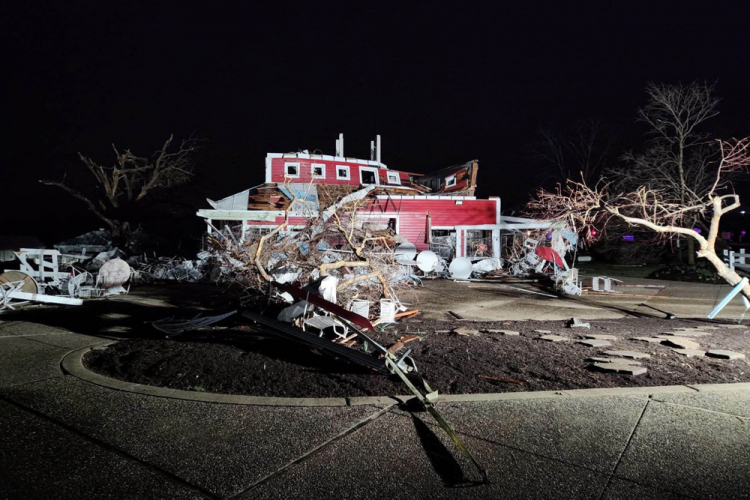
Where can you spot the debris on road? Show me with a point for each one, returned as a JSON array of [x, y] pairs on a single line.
[[577, 323], [622, 368], [689, 353], [594, 342], [628, 354], [724, 354], [553, 338], [680, 343]]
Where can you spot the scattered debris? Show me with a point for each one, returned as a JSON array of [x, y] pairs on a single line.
[[600, 336], [603, 283], [650, 340], [724, 354], [687, 333], [542, 331], [406, 314], [594, 342], [628, 354], [553, 338], [509, 333], [626, 369], [577, 323], [611, 360], [690, 353], [465, 332], [681, 343]]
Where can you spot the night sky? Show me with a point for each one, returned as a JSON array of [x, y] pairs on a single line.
[[440, 86]]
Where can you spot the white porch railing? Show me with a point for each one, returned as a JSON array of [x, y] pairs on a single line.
[[737, 259]]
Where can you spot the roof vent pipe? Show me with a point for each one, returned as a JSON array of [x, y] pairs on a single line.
[[341, 144], [378, 149], [372, 150]]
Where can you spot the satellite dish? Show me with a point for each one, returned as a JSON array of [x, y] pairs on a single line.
[[29, 284], [114, 272], [460, 268], [426, 261], [405, 253]]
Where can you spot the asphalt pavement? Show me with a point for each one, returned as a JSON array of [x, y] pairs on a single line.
[[64, 437]]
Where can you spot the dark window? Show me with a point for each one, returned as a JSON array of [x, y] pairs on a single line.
[[368, 177]]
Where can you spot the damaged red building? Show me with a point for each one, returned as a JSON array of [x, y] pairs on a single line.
[[436, 211]]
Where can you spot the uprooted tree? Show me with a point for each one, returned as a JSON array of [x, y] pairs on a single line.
[[332, 241], [584, 207], [119, 188]]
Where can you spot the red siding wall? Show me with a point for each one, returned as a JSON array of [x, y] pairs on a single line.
[[278, 169], [412, 215]]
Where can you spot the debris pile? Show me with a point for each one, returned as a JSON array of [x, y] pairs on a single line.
[[360, 256]]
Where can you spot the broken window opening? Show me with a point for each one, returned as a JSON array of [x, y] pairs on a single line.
[[393, 178], [443, 243], [291, 170], [479, 243], [342, 172], [318, 171], [367, 176], [450, 181]]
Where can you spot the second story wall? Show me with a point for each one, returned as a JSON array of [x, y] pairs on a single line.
[[300, 169]]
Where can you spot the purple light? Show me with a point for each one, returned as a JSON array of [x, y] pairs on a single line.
[[742, 233], [697, 230], [628, 237], [549, 236]]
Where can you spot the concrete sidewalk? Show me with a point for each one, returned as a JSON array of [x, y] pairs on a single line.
[[66, 438]]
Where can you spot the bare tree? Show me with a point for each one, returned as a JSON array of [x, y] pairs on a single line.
[[131, 179], [678, 161], [581, 153], [584, 207]]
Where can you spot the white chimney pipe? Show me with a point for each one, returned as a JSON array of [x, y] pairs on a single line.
[[372, 150], [341, 144], [337, 148], [378, 150]]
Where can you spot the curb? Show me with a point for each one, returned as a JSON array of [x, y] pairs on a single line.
[[72, 364]]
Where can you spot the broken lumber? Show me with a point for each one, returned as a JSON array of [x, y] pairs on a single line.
[[406, 314]]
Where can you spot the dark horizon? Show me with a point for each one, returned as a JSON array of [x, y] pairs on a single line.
[[440, 87]]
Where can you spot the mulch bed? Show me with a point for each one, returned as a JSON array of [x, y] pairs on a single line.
[[240, 360]]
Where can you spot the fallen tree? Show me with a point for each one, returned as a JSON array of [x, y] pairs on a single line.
[[332, 241], [586, 208]]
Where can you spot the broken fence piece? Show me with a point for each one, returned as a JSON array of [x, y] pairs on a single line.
[[507, 380]]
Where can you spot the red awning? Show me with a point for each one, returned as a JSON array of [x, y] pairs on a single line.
[[550, 255]]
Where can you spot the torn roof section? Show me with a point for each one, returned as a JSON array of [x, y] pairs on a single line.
[[324, 179]]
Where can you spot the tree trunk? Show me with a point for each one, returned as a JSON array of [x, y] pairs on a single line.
[[729, 275], [691, 251]]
